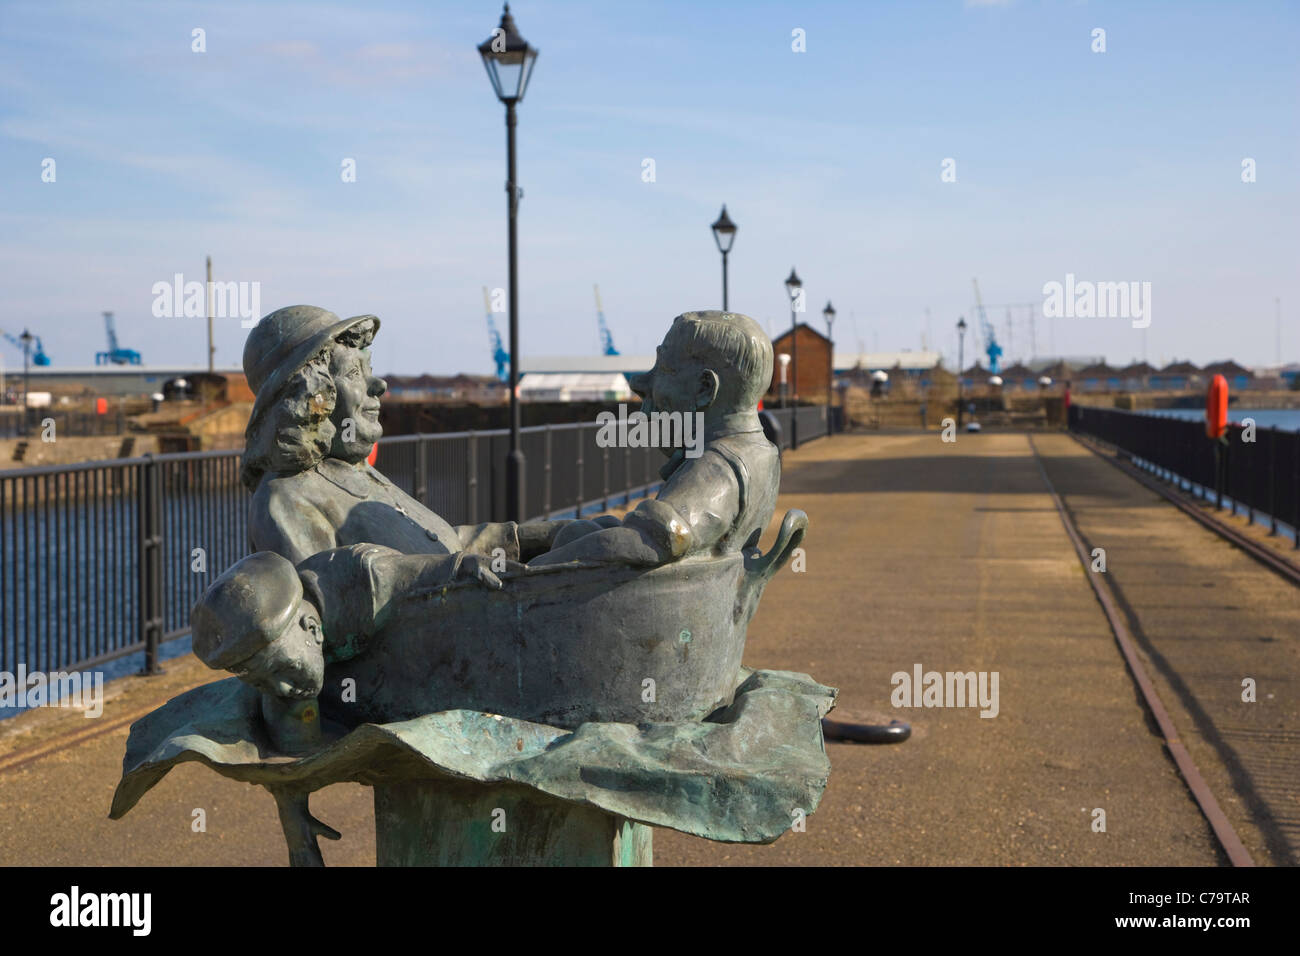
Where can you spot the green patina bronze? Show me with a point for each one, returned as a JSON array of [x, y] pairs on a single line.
[[542, 693]]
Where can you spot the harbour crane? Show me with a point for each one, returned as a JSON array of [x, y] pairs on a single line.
[[38, 353], [606, 340], [499, 354], [991, 347], [116, 355]]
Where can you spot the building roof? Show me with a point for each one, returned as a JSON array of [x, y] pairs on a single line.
[[585, 363], [1137, 370], [574, 387], [1179, 368], [873, 361], [1019, 370], [801, 325], [1097, 370], [1227, 368]]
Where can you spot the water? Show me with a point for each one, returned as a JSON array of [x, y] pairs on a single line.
[[1287, 419]]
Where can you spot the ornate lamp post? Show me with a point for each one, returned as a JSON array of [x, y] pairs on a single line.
[[26, 339], [828, 314], [793, 286], [961, 343], [724, 234], [509, 62]]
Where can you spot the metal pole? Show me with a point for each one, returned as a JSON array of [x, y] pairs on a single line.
[[27, 354], [794, 379], [515, 457], [724, 281], [961, 352], [830, 374], [211, 347]]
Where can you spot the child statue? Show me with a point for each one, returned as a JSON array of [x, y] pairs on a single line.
[[718, 364]]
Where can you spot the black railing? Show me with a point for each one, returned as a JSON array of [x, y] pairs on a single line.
[[105, 559], [812, 422], [66, 424], [1260, 477]]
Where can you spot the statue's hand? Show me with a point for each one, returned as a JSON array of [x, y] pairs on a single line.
[[476, 567]]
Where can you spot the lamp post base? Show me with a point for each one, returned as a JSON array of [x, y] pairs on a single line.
[[451, 823]]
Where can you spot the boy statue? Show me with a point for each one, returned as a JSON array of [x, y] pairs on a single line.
[[717, 364]]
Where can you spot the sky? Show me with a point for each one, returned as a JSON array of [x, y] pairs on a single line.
[[1117, 166]]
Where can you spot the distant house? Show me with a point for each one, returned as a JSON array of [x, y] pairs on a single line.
[[1176, 376], [810, 379], [1238, 376], [1019, 376], [1136, 376], [975, 375], [1097, 377], [1060, 371]]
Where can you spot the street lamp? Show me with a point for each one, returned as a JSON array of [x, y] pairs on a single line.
[[828, 314], [793, 286], [724, 234], [26, 339], [961, 344], [509, 59]]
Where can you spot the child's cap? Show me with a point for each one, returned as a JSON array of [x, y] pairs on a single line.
[[245, 609]]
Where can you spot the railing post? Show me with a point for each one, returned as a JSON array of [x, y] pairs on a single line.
[[471, 479], [1218, 474], [1227, 472], [627, 475], [149, 561], [1295, 486], [421, 470], [546, 475], [577, 509], [1272, 480], [604, 464]]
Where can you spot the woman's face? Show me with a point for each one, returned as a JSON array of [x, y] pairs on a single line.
[[356, 408]]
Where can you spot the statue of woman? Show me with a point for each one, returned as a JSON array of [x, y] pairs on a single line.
[[314, 422]]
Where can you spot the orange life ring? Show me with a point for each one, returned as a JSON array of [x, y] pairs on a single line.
[[1216, 407], [374, 454]]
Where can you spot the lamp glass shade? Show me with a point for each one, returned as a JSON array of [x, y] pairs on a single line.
[[724, 232], [793, 283], [508, 59], [828, 313]]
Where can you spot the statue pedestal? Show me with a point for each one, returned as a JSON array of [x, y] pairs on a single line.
[[446, 823]]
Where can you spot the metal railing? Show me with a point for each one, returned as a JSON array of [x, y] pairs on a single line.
[[1260, 477], [66, 424], [104, 559], [812, 422]]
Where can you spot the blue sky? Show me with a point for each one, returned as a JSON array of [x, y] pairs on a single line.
[[1115, 166]]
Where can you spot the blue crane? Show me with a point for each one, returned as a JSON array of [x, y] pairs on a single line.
[[38, 355], [991, 347], [499, 354], [115, 354], [606, 339]]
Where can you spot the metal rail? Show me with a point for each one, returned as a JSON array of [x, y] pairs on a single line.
[[1265, 555], [1214, 815]]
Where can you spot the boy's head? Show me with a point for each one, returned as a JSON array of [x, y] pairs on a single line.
[[708, 357], [255, 621]]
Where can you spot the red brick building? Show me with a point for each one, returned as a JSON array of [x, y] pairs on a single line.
[[809, 381]]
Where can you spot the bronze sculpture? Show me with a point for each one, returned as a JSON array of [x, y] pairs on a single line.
[[374, 642]]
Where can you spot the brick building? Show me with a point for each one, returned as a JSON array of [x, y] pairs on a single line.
[[808, 382]]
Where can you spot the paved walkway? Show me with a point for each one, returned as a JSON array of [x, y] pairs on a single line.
[[950, 556]]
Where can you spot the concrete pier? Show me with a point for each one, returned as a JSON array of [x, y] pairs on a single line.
[[947, 556]]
